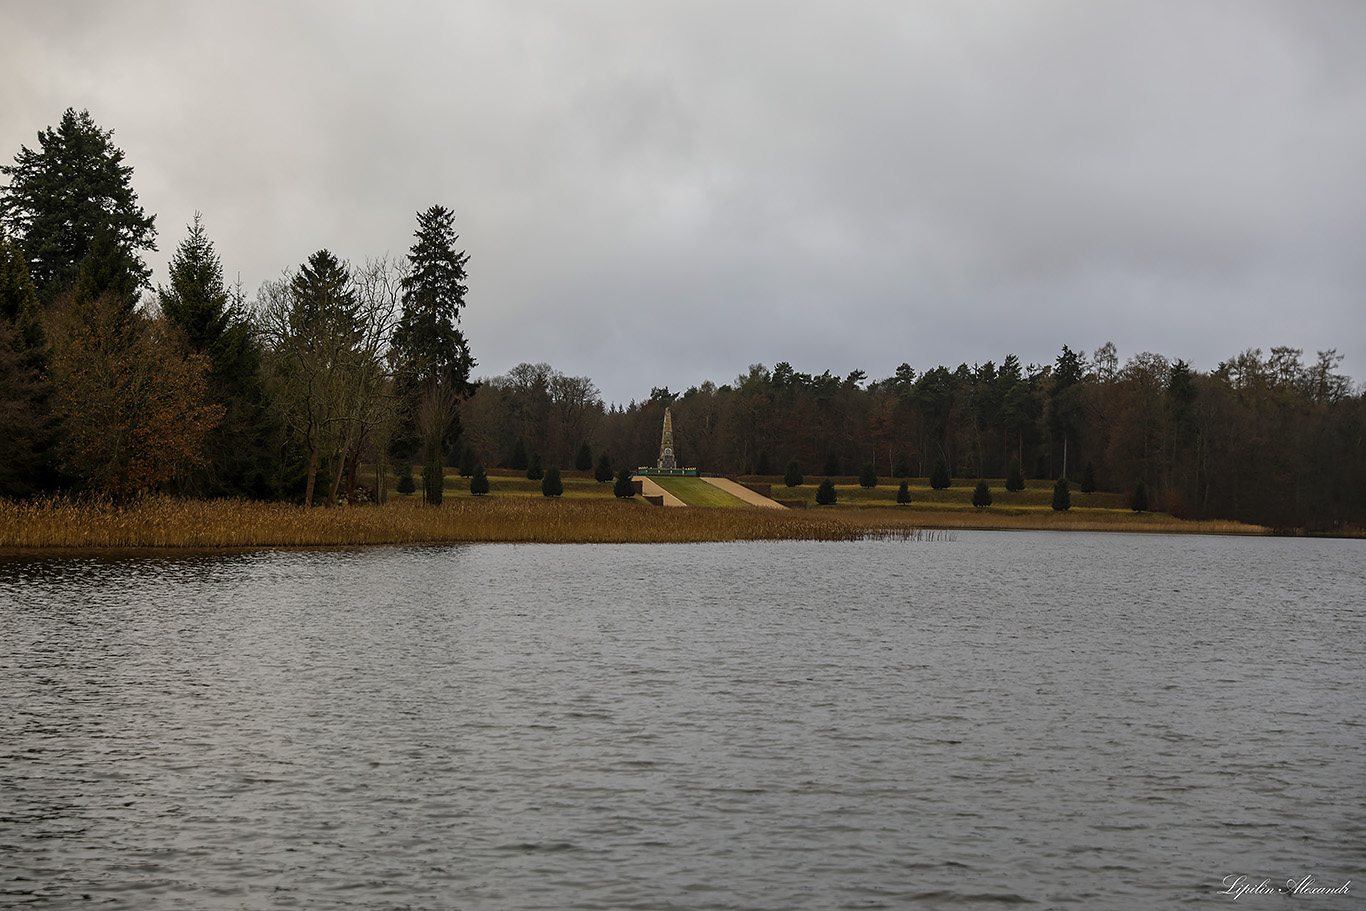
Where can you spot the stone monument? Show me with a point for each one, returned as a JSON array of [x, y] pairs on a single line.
[[667, 462]]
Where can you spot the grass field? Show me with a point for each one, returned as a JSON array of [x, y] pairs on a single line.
[[697, 492]]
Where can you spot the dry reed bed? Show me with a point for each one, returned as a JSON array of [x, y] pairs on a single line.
[[163, 522], [1048, 520]]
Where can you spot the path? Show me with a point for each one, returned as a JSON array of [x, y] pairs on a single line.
[[650, 489], [744, 493]]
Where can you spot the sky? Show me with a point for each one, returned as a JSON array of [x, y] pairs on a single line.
[[662, 193]]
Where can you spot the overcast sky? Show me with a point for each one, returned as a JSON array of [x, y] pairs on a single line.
[[661, 193]]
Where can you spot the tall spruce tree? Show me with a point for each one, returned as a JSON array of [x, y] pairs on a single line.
[[26, 425], [61, 195], [430, 356], [825, 493], [981, 496]]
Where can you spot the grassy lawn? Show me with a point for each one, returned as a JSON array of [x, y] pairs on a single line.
[[697, 492], [1036, 495]]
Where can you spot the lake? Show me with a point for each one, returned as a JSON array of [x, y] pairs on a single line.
[[985, 720]]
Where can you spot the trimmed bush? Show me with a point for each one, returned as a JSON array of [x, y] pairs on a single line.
[[623, 487], [551, 485], [603, 473], [981, 496], [939, 480], [793, 476], [867, 476], [903, 493], [1062, 496], [825, 494], [533, 470], [761, 464], [1015, 480], [479, 481], [584, 460]]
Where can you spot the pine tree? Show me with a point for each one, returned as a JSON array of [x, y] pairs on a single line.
[[981, 496], [903, 493], [26, 423], [517, 461], [533, 469], [1015, 480], [1088, 479], [429, 355], [793, 476], [406, 485], [825, 493], [1139, 501], [832, 462], [62, 195], [551, 485], [467, 460], [867, 477], [939, 479], [624, 487], [902, 468], [603, 473], [584, 460], [479, 481], [1062, 496]]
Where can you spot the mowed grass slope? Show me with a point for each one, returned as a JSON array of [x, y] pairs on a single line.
[[697, 492]]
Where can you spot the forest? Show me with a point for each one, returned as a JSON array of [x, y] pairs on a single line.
[[340, 376]]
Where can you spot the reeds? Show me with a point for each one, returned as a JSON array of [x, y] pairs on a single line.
[[165, 522]]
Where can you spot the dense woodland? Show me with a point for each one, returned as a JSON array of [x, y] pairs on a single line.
[[339, 374]]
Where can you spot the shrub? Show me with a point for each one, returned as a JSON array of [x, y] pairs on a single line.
[[825, 494], [406, 484], [793, 476], [761, 464], [939, 480], [623, 487], [1062, 496], [867, 476], [981, 496], [832, 462], [551, 485], [903, 493], [479, 481], [467, 461], [1088, 479], [902, 468], [1139, 501], [584, 460], [1015, 480], [517, 461], [603, 473], [533, 470]]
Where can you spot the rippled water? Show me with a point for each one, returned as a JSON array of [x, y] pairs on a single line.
[[1104, 721]]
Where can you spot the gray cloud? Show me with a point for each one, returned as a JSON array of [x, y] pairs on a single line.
[[658, 194]]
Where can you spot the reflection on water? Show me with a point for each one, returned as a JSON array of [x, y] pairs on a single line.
[[1065, 720]]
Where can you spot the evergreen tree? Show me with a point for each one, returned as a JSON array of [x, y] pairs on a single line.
[[518, 460], [903, 493], [1139, 501], [793, 476], [981, 496], [761, 464], [1062, 496], [62, 195], [533, 469], [902, 467], [26, 424], [467, 460], [1088, 479], [242, 455], [867, 476], [551, 485], [1015, 480], [624, 487], [584, 460], [479, 481], [939, 479], [406, 485], [603, 473], [825, 493], [430, 358], [832, 462]]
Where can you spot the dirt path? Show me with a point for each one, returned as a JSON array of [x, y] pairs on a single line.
[[744, 493]]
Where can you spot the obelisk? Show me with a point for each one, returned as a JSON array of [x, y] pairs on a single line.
[[666, 444]]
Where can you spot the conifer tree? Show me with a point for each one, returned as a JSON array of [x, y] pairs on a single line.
[[62, 195], [551, 485], [832, 462], [467, 461], [902, 467], [624, 486], [517, 461], [584, 460], [761, 464], [867, 477], [26, 422], [533, 469], [479, 481], [406, 484], [981, 496], [1139, 501], [939, 479], [793, 476], [603, 473], [825, 493], [1062, 496], [1015, 480], [1088, 479], [903, 493]]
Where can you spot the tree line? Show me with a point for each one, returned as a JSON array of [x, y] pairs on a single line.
[[338, 374]]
